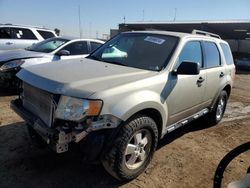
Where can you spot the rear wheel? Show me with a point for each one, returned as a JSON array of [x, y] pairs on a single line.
[[133, 149], [216, 115]]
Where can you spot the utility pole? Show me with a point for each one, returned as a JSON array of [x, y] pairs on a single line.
[[124, 19], [143, 15], [90, 29], [80, 25], [96, 34], [175, 13]]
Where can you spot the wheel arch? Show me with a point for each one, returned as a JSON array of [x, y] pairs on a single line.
[[226, 88]]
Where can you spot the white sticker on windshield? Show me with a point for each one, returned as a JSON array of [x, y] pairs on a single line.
[[155, 40]]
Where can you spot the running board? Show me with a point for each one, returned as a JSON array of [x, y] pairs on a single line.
[[181, 123]]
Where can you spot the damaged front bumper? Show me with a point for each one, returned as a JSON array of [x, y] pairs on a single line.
[[59, 138]]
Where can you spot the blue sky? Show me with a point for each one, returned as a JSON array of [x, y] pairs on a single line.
[[100, 16]]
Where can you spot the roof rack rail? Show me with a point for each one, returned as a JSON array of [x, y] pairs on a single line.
[[199, 32], [21, 25]]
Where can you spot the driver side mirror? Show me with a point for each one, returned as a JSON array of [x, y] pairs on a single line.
[[188, 68], [63, 53]]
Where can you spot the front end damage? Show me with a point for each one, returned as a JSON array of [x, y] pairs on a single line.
[[38, 108]]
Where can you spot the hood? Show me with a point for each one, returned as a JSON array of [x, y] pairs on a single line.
[[19, 54], [80, 77]]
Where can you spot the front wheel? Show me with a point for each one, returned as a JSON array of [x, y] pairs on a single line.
[[133, 149]]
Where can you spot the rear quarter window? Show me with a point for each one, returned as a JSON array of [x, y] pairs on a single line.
[[227, 53]]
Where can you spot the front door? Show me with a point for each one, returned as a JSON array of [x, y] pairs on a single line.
[[188, 91]]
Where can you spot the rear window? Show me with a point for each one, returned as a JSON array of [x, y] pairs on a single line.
[[227, 53], [46, 34], [21, 33]]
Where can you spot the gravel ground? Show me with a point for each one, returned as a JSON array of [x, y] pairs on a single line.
[[187, 157]]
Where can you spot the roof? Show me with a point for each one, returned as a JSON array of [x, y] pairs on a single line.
[[25, 26], [205, 35], [77, 38], [190, 22]]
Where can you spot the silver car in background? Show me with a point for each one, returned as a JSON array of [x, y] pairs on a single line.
[[20, 37], [52, 49]]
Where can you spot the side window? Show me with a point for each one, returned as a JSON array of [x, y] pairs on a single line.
[[46, 34], [227, 53], [5, 33], [77, 48], [191, 52], [94, 45], [212, 55], [20, 33]]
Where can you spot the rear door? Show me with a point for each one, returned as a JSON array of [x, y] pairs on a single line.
[[187, 95], [5, 39], [215, 70]]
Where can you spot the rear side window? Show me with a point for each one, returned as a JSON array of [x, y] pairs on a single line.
[[5, 33], [191, 52], [227, 53], [94, 45], [77, 48], [46, 34], [21, 33], [212, 55]]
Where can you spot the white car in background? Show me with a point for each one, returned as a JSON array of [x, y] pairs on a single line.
[[20, 37], [53, 49]]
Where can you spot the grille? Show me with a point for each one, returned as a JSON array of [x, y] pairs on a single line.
[[38, 102]]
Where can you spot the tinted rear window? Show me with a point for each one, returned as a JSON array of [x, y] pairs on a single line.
[[46, 34], [227, 53], [212, 55]]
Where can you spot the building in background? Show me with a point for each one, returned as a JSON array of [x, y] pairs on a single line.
[[236, 32]]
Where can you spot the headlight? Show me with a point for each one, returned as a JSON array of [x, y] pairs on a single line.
[[11, 64], [75, 109]]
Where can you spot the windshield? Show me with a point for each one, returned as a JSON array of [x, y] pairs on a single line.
[[139, 50], [48, 45]]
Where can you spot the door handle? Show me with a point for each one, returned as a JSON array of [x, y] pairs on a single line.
[[222, 74], [9, 43], [199, 81]]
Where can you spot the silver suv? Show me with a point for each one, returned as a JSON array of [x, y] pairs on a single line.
[[20, 36], [122, 99]]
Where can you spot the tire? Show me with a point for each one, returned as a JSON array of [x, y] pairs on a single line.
[[215, 116], [133, 148], [35, 138]]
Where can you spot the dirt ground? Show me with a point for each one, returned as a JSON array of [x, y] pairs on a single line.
[[185, 158]]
